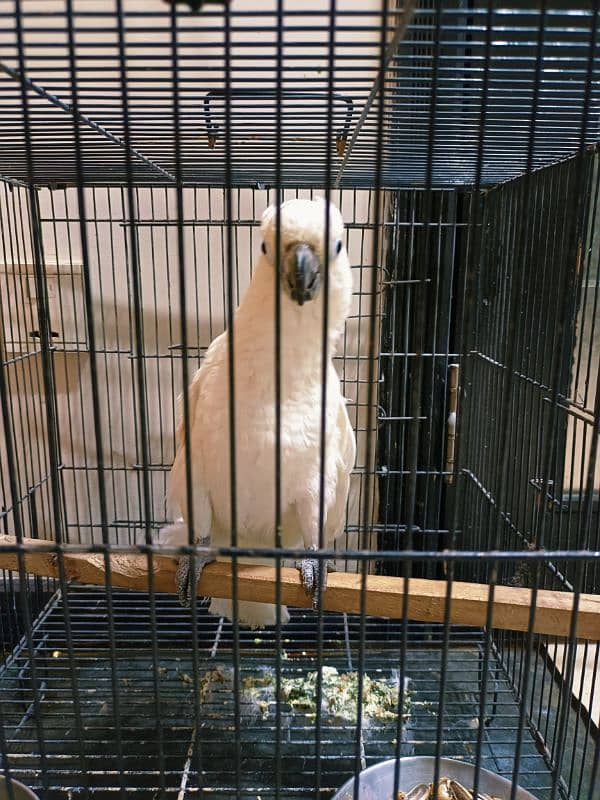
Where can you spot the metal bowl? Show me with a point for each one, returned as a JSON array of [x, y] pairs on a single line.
[[19, 791], [377, 782]]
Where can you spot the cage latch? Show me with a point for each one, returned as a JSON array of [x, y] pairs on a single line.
[[451, 423]]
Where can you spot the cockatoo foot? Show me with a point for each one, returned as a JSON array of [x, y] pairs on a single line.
[[313, 576], [187, 584]]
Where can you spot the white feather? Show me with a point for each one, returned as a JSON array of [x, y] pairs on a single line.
[[254, 387]]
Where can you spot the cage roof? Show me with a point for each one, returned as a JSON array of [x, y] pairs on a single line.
[[506, 87]]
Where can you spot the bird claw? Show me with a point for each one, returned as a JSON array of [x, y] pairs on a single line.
[[313, 577], [187, 587]]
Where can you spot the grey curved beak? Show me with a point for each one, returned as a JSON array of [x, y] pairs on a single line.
[[303, 274]]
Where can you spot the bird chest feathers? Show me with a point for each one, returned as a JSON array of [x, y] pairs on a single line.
[[255, 434]]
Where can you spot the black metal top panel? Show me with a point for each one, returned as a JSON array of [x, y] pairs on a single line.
[[471, 94]]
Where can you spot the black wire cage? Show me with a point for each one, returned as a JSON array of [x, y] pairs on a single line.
[[140, 144]]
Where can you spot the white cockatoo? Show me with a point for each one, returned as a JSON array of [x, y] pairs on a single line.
[[301, 266]]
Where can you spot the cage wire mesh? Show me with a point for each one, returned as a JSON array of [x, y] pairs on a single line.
[[141, 143]]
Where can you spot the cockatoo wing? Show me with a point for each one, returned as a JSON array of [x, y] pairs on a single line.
[[176, 491], [346, 446]]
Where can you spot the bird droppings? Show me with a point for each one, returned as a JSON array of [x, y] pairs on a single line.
[[209, 678], [339, 694]]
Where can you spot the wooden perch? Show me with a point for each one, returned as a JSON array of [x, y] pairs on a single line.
[[426, 599]]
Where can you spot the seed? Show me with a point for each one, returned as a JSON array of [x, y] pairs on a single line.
[[459, 792], [419, 792]]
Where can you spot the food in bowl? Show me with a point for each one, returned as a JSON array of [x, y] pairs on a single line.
[[447, 789]]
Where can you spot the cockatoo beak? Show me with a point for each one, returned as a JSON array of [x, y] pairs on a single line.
[[303, 274]]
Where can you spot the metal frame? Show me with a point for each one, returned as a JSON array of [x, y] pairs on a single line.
[[460, 127]]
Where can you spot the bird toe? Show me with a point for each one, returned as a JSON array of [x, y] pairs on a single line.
[[187, 579], [313, 576]]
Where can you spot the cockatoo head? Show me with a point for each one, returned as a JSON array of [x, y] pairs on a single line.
[[303, 247]]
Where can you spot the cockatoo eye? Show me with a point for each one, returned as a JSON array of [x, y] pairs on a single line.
[[338, 247]]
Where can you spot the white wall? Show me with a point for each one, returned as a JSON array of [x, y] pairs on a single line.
[[110, 268]]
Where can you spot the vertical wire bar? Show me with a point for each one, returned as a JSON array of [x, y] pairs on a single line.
[[49, 457], [4, 759], [577, 588], [103, 344], [595, 773], [42, 304], [228, 223], [78, 382], [595, 315], [12, 793], [421, 257], [515, 291], [344, 352], [577, 222], [91, 332], [325, 356], [467, 312], [555, 191], [195, 232], [182, 280], [19, 471], [278, 541], [29, 386], [45, 462], [437, 287], [185, 372], [417, 384], [391, 310], [532, 137], [359, 344], [366, 508], [536, 259], [68, 388], [198, 751], [121, 403], [91, 335], [71, 660], [574, 233], [406, 565], [549, 444], [580, 320], [579, 721], [567, 256], [50, 395], [9, 450], [146, 503]]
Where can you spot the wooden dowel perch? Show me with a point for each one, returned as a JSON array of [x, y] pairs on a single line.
[[426, 599]]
